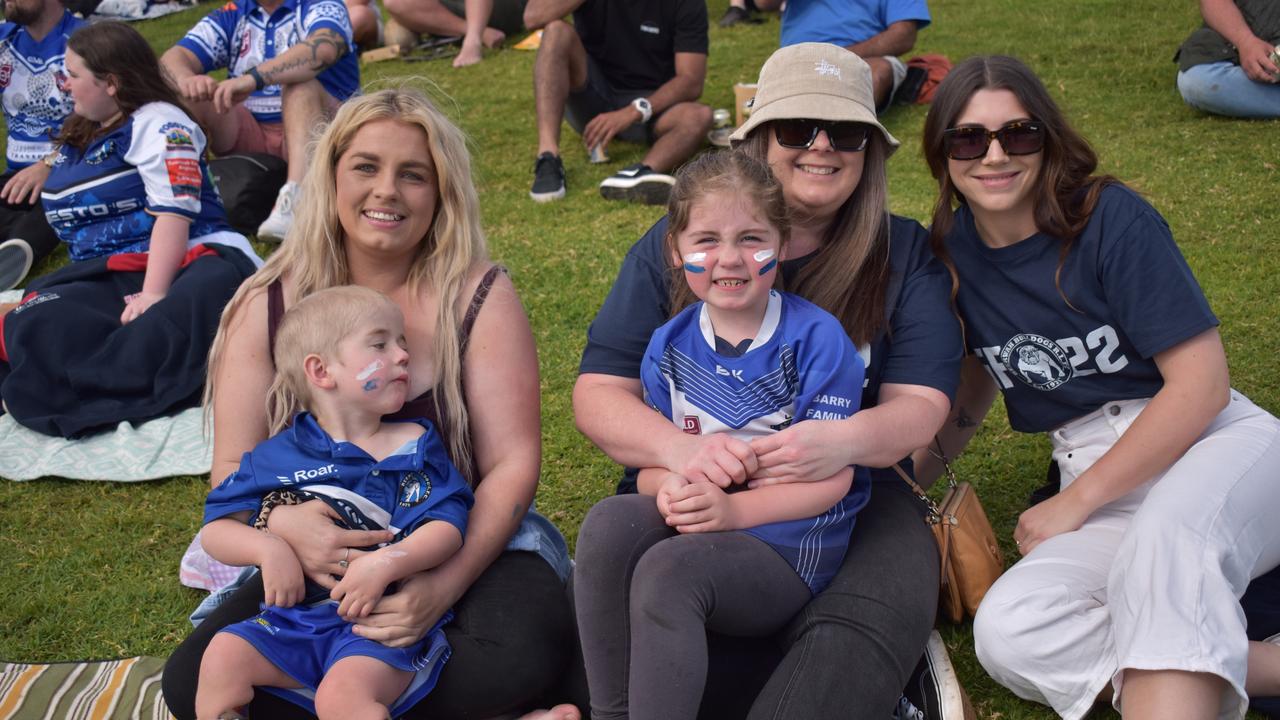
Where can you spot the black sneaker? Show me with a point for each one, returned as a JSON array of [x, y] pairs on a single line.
[[638, 183], [934, 692], [548, 178], [735, 15], [15, 262]]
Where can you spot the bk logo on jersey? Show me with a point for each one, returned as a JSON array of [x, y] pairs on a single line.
[[692, 425]]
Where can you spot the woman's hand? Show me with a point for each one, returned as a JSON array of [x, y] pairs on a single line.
[[405, 617], [26, 184], [319, 544], [138, 303], [718, 459], [1062, 513], [282, 580], [809, 450], [362, 586], [702, 507]]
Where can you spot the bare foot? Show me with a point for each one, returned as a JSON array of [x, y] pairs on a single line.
[[468, 55], [559, 712], [493, 37]]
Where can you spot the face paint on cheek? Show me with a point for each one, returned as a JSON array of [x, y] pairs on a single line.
[[365, 375], [692, 262], [370, 385], [763, 255]]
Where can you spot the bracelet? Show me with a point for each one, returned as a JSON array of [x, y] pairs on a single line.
[[258, 82], [273, 500]]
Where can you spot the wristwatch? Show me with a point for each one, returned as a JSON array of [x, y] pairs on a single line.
[[49, 160], [646, 110]]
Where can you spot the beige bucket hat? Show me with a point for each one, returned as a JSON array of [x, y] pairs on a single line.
[[817, 81]]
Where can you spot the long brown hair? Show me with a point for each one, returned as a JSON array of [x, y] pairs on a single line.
[[115, 52], [719, 172], [849, 276], [1066, 190]]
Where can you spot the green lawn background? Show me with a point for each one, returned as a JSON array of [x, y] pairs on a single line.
[[89, 570]]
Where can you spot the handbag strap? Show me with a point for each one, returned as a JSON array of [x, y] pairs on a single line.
[[935, 513]]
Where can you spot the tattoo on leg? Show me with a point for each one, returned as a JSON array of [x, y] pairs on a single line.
[[963, 420]]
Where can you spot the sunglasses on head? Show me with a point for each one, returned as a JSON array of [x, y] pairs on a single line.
[[843, 136], [1020, 137]]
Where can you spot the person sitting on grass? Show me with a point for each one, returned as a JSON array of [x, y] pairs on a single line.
[[480, 23], [340, 357], [656, 570], [33, 43], [122, 332], [1229, 65], [627, 69], [289, 65]]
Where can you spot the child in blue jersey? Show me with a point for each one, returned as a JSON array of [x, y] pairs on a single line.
[[745, 360], [1079, 308], [340, 353]]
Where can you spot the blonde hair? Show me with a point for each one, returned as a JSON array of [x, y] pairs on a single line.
[[316, 325], [710, 173], [312, 254]]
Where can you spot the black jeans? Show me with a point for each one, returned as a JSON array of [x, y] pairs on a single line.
[[850, 651], [28, 223], [512, 636]]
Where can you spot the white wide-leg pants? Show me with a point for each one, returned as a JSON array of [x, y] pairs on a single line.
[[1151, 581]]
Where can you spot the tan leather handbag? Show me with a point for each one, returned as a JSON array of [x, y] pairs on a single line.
[[971, 558]]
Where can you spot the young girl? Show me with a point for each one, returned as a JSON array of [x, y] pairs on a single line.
[[655, 571], [1079, 308], [340, 353]]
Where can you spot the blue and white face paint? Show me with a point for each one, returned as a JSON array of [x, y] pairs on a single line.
[[693, 262], [761, 256], [366, 375]]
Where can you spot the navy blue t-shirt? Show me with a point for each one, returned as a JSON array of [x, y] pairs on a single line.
[[920, 347], [1129, 295]]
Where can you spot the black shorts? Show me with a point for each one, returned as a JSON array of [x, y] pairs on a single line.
[[599, 96]]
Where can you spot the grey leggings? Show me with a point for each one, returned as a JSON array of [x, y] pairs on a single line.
[[646, 596]]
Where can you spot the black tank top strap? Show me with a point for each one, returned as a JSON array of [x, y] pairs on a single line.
[[477, 301], [275, 311]]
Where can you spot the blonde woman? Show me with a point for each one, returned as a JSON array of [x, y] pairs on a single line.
[[389, 204]]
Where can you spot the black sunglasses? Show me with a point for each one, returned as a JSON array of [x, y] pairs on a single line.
[[843, 136], [1020, 137]]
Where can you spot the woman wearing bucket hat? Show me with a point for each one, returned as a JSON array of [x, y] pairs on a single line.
[[852, 649]]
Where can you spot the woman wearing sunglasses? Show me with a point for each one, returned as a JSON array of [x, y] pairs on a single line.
[[851, 650], [1077, 305]]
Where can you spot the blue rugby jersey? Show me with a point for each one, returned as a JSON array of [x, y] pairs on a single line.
[[33, 76], [800, 366], [242, 35], [103, 201]]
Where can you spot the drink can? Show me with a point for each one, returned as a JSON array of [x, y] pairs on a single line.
[[598, 154], [721, 117]]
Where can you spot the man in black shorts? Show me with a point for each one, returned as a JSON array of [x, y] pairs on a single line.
[[630, 69]]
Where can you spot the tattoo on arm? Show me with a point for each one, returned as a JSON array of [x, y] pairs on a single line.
[[517, 510], [320, 38], [963, 420]]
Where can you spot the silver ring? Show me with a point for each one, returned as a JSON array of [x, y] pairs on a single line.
[[343, 564]]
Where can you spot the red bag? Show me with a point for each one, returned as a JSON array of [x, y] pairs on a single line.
[[935, 67]]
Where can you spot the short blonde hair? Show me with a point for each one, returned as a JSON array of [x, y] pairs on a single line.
[[316, 325], [313, 255]]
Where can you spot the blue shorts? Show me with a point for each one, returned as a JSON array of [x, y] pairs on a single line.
[[305, 641]]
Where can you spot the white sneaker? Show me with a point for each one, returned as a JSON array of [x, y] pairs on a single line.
[[15, 262], [277, 224]]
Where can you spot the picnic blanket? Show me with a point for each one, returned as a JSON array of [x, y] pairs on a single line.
[[97, 690], [137, 9], [159, 448]]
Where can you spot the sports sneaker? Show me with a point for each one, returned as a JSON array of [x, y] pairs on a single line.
[[15, 262], [277, 224], [934, 692], [548, 178], [638, 183]]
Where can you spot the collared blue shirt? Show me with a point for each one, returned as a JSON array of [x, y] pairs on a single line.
[[32, 87], [242, 35], [415, 484]]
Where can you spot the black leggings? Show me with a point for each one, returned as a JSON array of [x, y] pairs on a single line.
[[512, 636], [646, 596]]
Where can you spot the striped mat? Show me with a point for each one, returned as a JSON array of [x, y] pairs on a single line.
[[108, 690]]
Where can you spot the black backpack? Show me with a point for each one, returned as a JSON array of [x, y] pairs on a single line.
[[248, 184]]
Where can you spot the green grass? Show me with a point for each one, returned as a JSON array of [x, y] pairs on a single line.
[[90, 570]]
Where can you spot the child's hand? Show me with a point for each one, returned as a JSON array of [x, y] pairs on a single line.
[[367, 577], [701, 507], [671, 483], [282, 578], [136, 304]]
